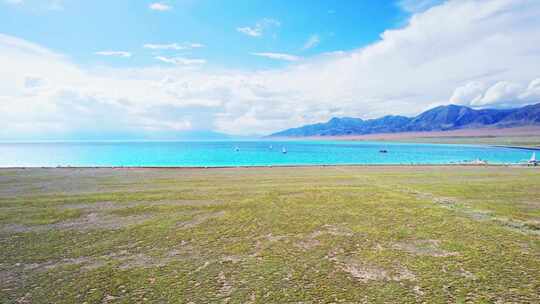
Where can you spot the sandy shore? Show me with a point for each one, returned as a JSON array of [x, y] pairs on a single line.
[[397, 166]]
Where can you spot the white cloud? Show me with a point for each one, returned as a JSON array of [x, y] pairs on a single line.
[[416, 6], [33, 82], [55, 5], [499, 94], [278, 56], [195, 45], [114, 53], [253, 32], [312, 42], [259, 28], [532, 93], [43, 94], [484, 51], [181, 60], [173, 46], [158, 6], [469, 94], [52, 5], [15, 2]]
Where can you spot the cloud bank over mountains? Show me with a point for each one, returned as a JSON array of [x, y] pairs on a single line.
[[476, 53]]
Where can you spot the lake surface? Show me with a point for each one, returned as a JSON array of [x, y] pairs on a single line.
[[245, 153]]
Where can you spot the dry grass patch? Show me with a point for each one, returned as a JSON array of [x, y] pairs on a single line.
[[86, 222], [424, 247], [311, 241], [199, 219], [366, 271]]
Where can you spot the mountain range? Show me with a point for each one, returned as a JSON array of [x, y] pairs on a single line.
[[441, 118]]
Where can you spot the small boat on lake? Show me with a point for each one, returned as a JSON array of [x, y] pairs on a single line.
[[533, 160], [383, 151], [283, 150], [236, 149]]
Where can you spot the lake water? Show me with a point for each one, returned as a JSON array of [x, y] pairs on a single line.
[[250, 153]]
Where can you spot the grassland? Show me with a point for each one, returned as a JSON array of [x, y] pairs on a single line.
[[270, 235]]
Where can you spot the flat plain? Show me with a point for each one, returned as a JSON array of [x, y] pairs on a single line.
[[357, 234], [526, 137]]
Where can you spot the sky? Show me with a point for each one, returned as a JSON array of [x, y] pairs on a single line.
[[73, 69]]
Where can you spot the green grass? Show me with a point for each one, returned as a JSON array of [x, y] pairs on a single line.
[[274, 235]]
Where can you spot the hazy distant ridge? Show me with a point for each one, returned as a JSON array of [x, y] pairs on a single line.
[[441, 118]]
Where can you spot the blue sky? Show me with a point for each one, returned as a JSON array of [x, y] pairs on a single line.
[[155, 69], [299, 28]]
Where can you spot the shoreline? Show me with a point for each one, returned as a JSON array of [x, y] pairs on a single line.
[[419, 140], [263, 167], [514, 137], [517, 147]]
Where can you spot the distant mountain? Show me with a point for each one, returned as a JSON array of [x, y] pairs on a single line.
[[442, 118]]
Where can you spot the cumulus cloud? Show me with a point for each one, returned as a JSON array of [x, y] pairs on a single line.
[[532, 94], [259, 28], [278, 56], [469, 93], [158, 6], [114, 53], [499, 94], [481, 53]]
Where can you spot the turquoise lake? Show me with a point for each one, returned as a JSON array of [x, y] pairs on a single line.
[[245, 153]]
